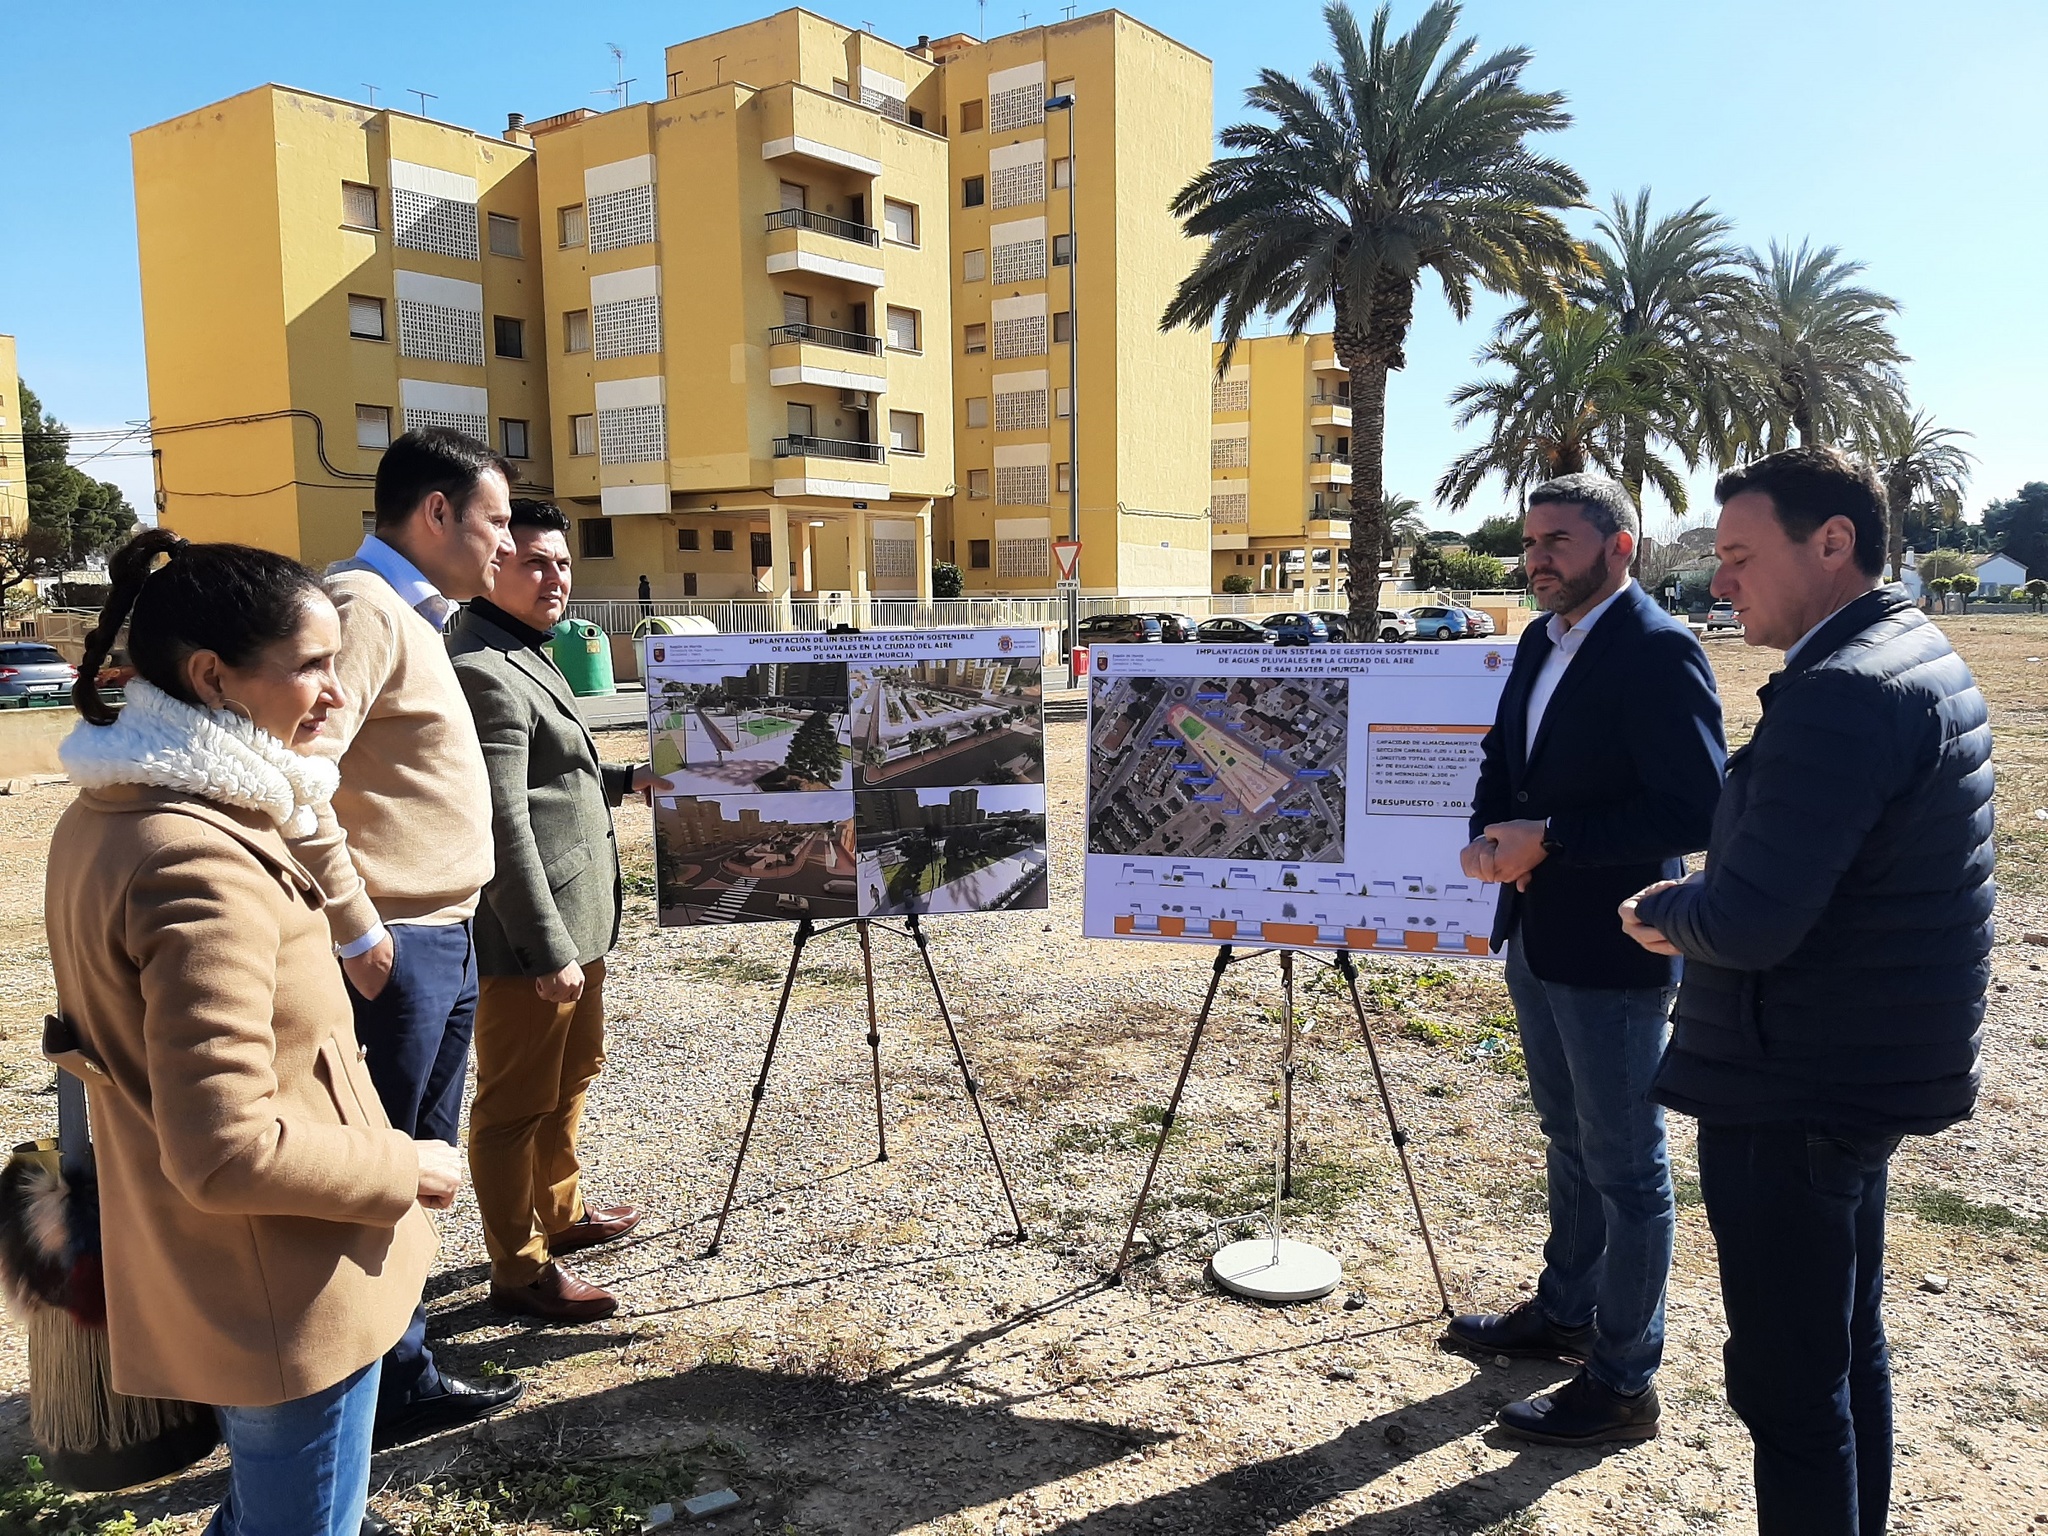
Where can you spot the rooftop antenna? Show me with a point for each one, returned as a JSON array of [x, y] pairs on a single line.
[[1069, 9], [424, 96], [620, 90], [984, 17], [372, 90]]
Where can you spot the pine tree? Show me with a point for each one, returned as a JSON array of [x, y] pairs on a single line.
[[814, 751]]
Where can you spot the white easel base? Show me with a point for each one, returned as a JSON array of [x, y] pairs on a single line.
[[1302, 1273]]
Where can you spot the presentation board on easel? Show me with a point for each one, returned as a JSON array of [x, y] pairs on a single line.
[[838, 776], [1298, 797]]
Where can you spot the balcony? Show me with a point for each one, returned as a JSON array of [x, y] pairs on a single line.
[[824, 224], [818, 354], [802, 241], [1327, 363], [829, 448], [1329, 469], [830, 466], [799, 121], [1327, 408]]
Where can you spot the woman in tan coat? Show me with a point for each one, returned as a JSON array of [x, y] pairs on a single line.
[[261, 1222]]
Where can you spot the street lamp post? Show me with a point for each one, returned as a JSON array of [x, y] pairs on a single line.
[[1066, 104]]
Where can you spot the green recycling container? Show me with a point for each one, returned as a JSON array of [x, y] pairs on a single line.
[[584, 653]]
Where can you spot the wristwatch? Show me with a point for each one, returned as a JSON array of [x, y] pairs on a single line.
[[1551, 841]]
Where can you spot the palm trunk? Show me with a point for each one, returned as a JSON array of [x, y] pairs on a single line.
[[1896, 492], [1370, 347]]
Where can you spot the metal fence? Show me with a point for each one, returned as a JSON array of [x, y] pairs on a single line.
[[759, 616]]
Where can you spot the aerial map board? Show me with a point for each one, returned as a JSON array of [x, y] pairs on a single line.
[[856, 775], [1288, 797]]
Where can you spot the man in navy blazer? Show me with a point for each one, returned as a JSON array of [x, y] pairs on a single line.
[[1601, 771]]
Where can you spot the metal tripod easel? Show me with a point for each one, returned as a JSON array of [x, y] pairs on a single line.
[[806, 931], [1283, 1253]]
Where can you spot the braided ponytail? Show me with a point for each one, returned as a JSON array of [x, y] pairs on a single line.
[[128, 568], [230, 599]]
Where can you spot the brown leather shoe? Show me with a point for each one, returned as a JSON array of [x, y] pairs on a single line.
[[556, 1297], [600, 1224]]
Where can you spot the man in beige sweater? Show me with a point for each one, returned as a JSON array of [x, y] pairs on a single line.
[[406, 846]]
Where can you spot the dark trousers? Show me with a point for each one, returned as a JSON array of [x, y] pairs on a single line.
[[1798, 1217], [416, 1035]]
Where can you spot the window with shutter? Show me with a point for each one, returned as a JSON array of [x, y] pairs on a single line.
[[576, 331], [972, 194], [1062, 250], [977, 410], [975, 338], [973, 266], [583, 435], [1063, 326], [977, 486], [977, 554], [899, 221], [971, 116], [687, 540], [373, 426], [906, 431], [796, 309], [504, 235], [801, 419], [794, 196], [594, 535], [365, 317], [358, 205], [570, 227], [513, 435], [902, 329], [721, 540], [1063, 402]]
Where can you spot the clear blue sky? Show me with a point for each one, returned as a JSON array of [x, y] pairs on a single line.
[[1908, 135]]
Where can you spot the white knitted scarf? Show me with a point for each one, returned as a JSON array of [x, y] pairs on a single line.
[[216, 755]]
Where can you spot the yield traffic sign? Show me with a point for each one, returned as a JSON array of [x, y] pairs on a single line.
[[1068, 553]]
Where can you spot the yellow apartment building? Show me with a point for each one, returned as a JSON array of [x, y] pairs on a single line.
[[317, 277], [748, 312], [13, 454], [1138, 129], [1280, 466]]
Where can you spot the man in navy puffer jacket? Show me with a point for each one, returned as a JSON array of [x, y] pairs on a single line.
[[1836, 956]]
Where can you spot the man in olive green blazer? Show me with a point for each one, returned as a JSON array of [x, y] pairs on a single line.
[[547, 919]]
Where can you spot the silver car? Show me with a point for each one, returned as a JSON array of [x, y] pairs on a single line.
[[34, 671]]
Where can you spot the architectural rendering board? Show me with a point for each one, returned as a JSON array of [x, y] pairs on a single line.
[[1310, 797], [857, 775]]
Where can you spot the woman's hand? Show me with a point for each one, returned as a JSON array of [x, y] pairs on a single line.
[[440, 1174]]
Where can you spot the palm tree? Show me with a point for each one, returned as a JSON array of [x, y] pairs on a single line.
[[1674, 285], [1814, 352], [1916, 461], [1572, 382], [1405, 155]]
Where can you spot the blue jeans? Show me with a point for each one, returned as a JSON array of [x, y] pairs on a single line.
[[301, 1468], [1592, 1052], [416, 1035], [1798, 1217]]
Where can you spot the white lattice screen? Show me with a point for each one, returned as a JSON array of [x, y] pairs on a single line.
[[1021, 337], [1018, 263], [1013, 186], [1231, 510], [1230, 395], [420, 221], [439, 334], [627, 328], [1230, 452], [632, 434], [1016, 109], [896, 558], [1021, 411], [1021, 485], [882, 102], [1023, 557], [620, 219], [461, 421]]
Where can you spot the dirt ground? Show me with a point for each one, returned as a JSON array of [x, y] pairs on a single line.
[[873, 1351]]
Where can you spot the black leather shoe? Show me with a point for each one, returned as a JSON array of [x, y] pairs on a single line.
[[456, 1404], [1583, 1412], [1521, 1333]]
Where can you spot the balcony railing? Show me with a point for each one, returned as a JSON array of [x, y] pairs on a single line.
[[824, 224], [825, 336], [1326, 397], [1330, 458], [796, 447]]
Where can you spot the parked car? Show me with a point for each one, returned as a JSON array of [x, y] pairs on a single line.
[[1122, 629], [1296, 629], [1338, 624], [1435, 622], [1478, 624], [34, 671], [1229, 631], [1174, 628], [1395, 625], [1722, 616]]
